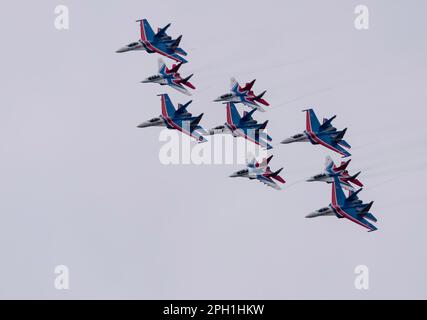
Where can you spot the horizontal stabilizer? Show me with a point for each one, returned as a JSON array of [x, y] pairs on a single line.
[[181, 51], [371, 217], [344, 144]]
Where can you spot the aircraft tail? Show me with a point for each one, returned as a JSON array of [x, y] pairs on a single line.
[[182, 108], [326, 123], [259, 98], [248, 86], [262, 126], [265, 161], [194, 124], [364, 212], [343, 166], [175, 43], [186, 82], [181, 51], [175, 67], [275, 175], [353, 179], [340, 135], [344, 144]]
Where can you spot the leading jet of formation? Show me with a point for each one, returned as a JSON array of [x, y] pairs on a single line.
[[332, 171], [171, 77], [324, 134], [351, 207], [179, 119], [244, 95], [244, 126], [261, 172], [158, 42]]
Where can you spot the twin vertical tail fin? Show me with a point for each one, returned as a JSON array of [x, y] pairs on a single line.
[[175, 44], [194, 124], [343, 165], [275, 175], [259, 98], [187, 83]]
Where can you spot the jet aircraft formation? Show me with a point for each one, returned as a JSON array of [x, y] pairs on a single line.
[[245, 126]]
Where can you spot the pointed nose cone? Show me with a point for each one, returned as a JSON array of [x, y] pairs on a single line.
[[234, 175], [143, 125], [311, 179], [122, 49], [312, 215], [145, 81], [218, 100], [288, 140]]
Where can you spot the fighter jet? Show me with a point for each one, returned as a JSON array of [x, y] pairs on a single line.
[[262, 172], [347, 207], [244, 95], [324, 134], [171, 77], [179, 119], [331, 171], [158, 42], [245, 127]]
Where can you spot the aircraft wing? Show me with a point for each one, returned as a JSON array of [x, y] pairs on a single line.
[[328, 142], [179, 87], [251, 135], [268, 181], [252, 104], [185, 127]]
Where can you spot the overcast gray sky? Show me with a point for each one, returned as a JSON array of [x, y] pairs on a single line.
[[82, 186]]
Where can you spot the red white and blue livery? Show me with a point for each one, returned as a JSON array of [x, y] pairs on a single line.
[[244, 126], [244, 95], [332, 171], [261, 171], [324, 134], [172, 78], [179, 119], [351, 207], [158, 42]]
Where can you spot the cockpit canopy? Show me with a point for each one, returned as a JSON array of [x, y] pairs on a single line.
[[299, 135], [324, 209], [133, 44], [243, 171], [227, 95], [154, 120], [318, 176], [219, 128], [155, 77]]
